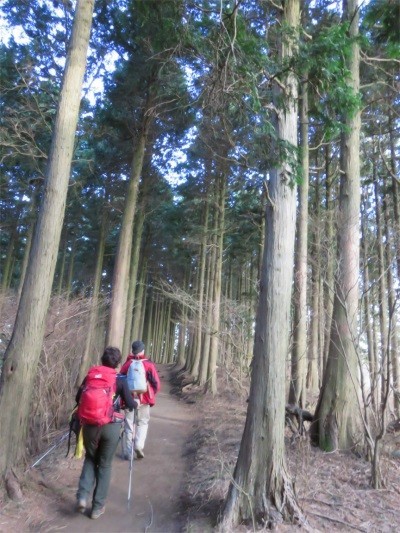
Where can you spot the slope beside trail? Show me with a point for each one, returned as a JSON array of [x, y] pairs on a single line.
[[157, 480]]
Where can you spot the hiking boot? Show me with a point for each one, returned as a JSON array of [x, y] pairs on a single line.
[[139, 453], [97, 512], [81, 505]]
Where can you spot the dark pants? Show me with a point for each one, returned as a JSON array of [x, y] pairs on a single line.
[[100, 444]]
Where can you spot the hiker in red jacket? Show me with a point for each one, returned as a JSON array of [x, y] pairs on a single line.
[[101, 428], [136, 424]]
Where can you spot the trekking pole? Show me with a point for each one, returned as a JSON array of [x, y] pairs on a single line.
[[50, 449], [131, 459]]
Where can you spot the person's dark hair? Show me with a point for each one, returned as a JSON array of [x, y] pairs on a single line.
[[111, 357], [137, 347]]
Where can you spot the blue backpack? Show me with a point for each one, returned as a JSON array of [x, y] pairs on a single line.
[[136, 377]]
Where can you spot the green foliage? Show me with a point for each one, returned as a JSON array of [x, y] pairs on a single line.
[[323, 60], [381, 23]]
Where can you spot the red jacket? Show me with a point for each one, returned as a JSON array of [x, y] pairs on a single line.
[[153, 379]]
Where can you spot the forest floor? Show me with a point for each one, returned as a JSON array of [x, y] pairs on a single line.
[[179, 486]]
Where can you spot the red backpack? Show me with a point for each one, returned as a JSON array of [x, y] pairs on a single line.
[[96, 401]]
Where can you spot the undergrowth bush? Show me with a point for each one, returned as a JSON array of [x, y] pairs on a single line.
[[66, 331]]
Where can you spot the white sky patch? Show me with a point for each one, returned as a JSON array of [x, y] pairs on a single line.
[[17, 32], [94, 86]]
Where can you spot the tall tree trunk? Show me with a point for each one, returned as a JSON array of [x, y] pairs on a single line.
[[217, 269], [297, 393], [314, 367], [393, 323], [338, 422], [205, 345], [120, 282], [395, 188], [262, 490], [135, 255], [330, 248], [23, 351], [71, 266], [94, 308], [198, 332], [137, 328], [372, 363], [29, 236], [7, 269]]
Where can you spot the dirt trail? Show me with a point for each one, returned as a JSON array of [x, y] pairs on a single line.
[[157, 480]]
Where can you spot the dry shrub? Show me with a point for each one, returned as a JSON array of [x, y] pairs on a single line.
[[67, 326]]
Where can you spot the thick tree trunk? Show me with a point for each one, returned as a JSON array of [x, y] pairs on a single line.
[[338, 422], [23, 351], [262, 491]]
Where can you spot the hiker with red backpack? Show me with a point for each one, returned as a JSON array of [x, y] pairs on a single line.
[[144, 383], [97, 400]]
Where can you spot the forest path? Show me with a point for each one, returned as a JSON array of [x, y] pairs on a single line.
[[157, 480]]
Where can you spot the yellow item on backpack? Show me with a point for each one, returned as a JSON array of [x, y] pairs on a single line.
[[79, 445]]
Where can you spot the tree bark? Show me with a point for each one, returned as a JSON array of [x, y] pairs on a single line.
[[297, 393], [23, 351], [120, 282], [338, 421], [135, 255], [198, 332], [262, 491], [216, 301], [94, 311]]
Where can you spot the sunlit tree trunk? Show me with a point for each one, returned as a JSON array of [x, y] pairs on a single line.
[[338, 422], [23, 351]]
